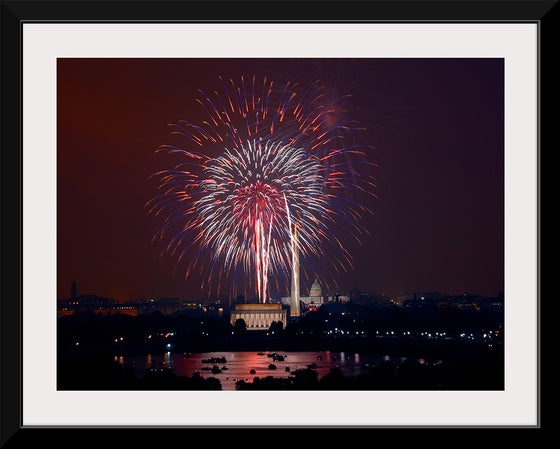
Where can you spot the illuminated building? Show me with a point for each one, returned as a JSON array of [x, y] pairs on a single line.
[[259, 316], [315, 290]]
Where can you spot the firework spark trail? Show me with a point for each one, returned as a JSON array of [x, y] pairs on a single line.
[[280, 165]]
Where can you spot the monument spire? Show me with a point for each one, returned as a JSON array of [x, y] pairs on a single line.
[[294, 306]]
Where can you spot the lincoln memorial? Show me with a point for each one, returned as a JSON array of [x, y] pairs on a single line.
[[259, 316]]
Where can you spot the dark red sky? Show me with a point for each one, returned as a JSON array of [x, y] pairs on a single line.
[[436, 124]]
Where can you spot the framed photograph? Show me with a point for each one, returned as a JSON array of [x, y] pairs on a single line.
[[263, 215]]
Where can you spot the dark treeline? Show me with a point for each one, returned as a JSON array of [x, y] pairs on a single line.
[[410, 375], [99, 371]]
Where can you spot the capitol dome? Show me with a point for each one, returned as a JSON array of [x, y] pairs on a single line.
[[315, 289]]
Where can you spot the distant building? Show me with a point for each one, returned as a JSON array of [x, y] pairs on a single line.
[[96, 304], [315, 297], [74, 290], [128, 308], [380, 302], [165, 306], [168, 306], [343, 299], [315, 291], [259, 316]]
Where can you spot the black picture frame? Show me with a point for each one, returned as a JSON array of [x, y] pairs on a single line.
[[15, 13]]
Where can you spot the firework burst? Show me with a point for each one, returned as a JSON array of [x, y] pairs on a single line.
[[282, 169]]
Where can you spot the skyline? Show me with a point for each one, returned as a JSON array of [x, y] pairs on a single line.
[[436, 125]]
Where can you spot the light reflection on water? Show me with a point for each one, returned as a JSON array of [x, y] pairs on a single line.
[[245, 365]]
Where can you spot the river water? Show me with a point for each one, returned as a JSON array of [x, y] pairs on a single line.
[[245, 365]]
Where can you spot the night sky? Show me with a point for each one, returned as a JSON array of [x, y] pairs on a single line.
[[436, 125]]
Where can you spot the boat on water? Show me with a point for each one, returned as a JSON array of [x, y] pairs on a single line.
[[252, 371], [272, 366], [216, 369], [214, 360]]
